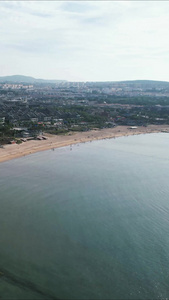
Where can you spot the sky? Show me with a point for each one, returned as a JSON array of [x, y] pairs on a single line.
[[85, 40]]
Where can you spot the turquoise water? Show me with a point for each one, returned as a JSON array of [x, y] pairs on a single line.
[[90, 223]]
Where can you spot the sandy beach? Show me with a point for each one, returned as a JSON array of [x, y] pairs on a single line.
[[55, 141]]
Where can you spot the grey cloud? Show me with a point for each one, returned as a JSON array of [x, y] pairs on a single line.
[[18, 7], [56, 42], [77, 7], [40, 14], [84, 35]]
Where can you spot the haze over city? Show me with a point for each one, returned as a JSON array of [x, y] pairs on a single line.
[[85, 40]]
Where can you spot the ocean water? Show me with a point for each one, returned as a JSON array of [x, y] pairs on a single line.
[[87, 223]]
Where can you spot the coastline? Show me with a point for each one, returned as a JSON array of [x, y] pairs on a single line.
[[57, 141]]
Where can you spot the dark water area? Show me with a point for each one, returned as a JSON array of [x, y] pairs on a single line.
[[90, 223]]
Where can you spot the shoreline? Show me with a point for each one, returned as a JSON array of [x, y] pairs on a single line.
[[12, 151]]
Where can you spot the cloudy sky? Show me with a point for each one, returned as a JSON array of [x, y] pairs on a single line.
[[85, 40]]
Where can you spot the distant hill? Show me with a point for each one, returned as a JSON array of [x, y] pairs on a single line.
[[133, 84], [145, 83], [26, 79]]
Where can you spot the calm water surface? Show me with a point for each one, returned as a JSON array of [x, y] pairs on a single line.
[[90, 223]]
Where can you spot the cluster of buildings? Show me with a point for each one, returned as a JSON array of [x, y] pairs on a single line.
[[79, 106], [88, 90]]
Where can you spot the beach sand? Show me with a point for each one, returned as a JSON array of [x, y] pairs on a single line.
[[56, 141]]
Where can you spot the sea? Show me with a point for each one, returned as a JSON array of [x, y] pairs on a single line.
[[87, 221]]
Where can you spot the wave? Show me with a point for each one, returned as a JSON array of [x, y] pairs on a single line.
[[24, 284]]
